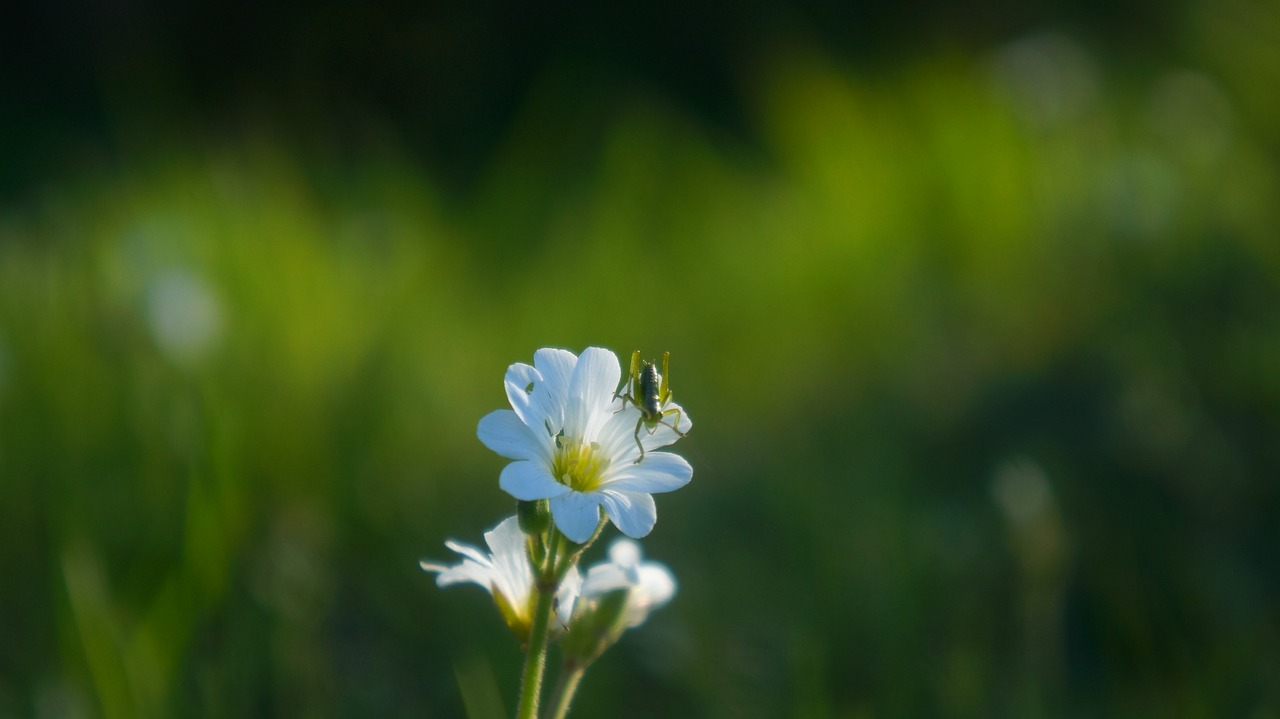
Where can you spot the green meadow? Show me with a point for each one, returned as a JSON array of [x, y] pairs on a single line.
[[981, 347]]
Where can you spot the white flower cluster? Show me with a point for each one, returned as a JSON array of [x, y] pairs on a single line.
[[508, 576], [584, 449]]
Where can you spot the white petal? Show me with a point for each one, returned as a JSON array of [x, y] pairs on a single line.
[[513, 575], [591, 389], [503, 432], [576, 514], [556, 367], [506, 571], [626, 424], [567, 595], [617, 437], [506, 538], [657, 583], [469, 552], [529, 480], [605, 577], [468, 571], [624, 553], [655, 587], [658, 472], [633, 514], [520, 381], [432, 566], [664, 432]]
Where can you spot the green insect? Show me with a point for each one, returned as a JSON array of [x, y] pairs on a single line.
[[649, 393]]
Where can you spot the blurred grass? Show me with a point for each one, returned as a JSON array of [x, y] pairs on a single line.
[[982, 359]]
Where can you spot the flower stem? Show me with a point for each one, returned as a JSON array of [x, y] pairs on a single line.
[[561, 556], [566, 687], [535, 660], [574, 552]]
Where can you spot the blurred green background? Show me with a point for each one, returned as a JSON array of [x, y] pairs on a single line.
[[976, 309]]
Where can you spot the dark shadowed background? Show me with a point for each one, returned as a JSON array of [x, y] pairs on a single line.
[[976, 309]]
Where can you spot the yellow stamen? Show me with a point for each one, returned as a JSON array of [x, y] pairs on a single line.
[[578, 465]]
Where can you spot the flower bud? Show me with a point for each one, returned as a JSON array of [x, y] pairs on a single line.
[[596, 629], [535, 517]]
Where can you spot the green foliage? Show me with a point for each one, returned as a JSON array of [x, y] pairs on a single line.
[[985, 388]]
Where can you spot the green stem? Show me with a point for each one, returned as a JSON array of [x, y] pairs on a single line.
[[577, 553], [535, 660], [548, 580], [566, 687]]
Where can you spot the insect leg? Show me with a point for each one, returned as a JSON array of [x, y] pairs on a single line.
[[639, 422], [676, 426]]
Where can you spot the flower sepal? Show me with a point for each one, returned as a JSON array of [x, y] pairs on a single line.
[[516, 620]]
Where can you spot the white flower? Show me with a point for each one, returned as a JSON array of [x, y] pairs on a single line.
[[508, 576], [574, 444], [650, 584]]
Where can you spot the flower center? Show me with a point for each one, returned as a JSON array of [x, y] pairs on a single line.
[[579, 465]]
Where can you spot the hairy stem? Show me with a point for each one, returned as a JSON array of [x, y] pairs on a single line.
[[566, 687], [535, 660]]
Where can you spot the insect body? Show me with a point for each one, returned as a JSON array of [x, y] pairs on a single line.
[[649, 392]]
